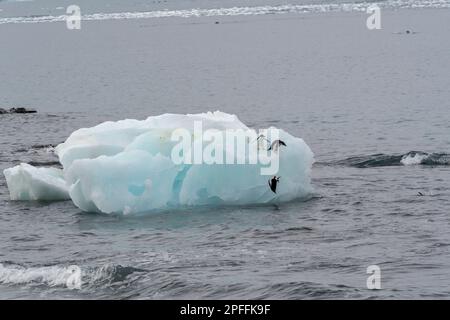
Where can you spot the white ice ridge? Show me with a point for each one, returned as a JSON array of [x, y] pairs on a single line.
[[127, 167]]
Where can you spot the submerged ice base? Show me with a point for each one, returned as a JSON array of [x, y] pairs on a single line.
[[127, 167]]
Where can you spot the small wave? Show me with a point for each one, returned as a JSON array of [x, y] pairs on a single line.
[[43, 146], [430, 159], [386, 160], [59, 276], [51, 276], [413, 158], [303, 290], [237, 11], [374, 160], [45, 164]]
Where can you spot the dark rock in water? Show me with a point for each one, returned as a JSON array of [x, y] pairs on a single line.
[[22, 110], [17, 110]]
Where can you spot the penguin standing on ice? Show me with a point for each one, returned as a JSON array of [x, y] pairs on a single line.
[[260, 140], [273, 183], [261, 136]]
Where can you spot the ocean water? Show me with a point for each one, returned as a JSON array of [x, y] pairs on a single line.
[[372, 105], [32, 11]]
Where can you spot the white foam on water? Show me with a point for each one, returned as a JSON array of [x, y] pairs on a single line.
[[63, 276], [51, 276], [415, 159], [238, 11], [50, 150]]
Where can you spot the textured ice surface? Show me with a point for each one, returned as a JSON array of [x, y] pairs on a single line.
[[26, 182], [126, 167]]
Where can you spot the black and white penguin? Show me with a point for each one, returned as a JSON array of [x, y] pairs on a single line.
[[273, 183], [276, 145], [262, 140]]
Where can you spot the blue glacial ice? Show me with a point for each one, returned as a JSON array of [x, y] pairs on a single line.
[[128, 167]]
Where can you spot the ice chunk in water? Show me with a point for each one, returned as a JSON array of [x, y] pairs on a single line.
[[127, 167], [26, 182]]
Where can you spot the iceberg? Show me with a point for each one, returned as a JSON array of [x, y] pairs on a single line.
[[26, 182], [169, 161]]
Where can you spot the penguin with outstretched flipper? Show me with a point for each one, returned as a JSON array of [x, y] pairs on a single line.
[[276, 145]]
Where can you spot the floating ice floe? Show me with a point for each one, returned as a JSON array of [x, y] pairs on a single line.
[[26, 182], [133, 166]]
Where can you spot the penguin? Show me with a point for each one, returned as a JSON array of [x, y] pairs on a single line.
[[260, 140], [261, 136], [273, 183], [276, 145]]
